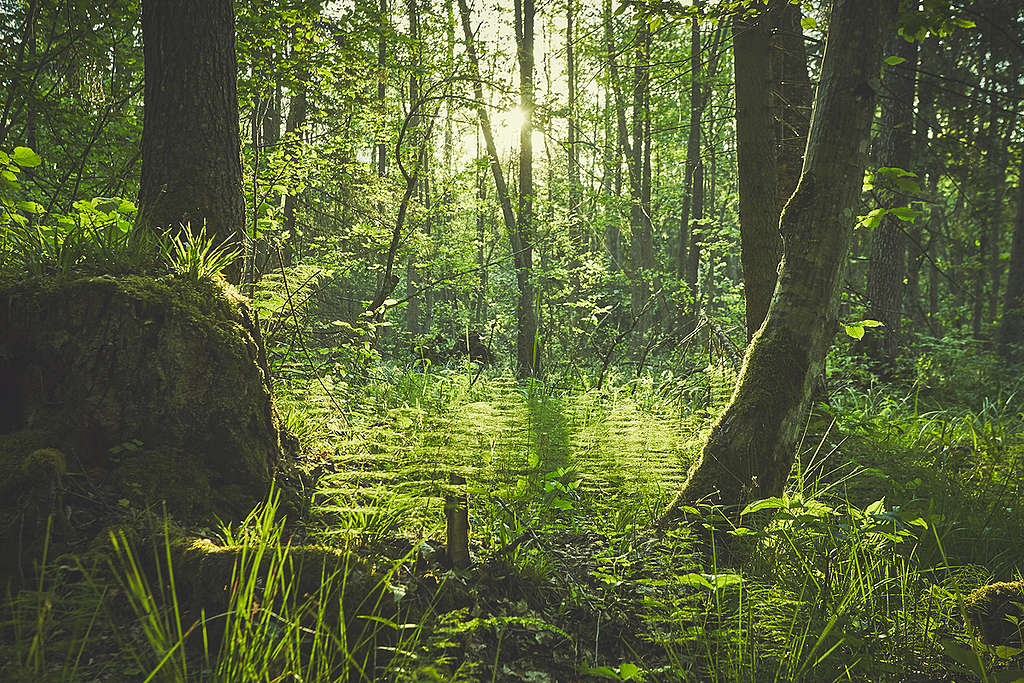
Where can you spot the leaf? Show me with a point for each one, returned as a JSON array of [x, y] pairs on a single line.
[[905, 213], [26, 158], [725, 580], [31, 207], [1008, 676], [873, 219], [876, 508], [695, 580], [764, 504], [629, 672], [871, 323], [893, 61], [855, 331], [962, 655], [106, 204], [809, 23]]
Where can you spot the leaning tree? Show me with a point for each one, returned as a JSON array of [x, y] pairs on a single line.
[[751, 448]]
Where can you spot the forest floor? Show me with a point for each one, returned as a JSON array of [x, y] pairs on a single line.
[[858, 573], [895, 513]]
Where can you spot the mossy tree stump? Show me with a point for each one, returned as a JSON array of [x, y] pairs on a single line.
[[154, 388]]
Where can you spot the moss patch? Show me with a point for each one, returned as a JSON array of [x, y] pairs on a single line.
[[997, 611], [148, 389]]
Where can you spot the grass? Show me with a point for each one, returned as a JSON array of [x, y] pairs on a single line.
[[898, 508]]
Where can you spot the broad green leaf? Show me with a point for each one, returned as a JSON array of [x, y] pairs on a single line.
[[106, 204], [695, 580], [876, 508], [855, 331], [725, 580], [629, 672], [871, 323], [962, 655], [764, 504], [31, 207], [809, 23], [893, 61], [26, 158], [905, 213], [4, 158], [873, 219]]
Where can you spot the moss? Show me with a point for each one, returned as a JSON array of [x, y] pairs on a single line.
[[997, 611], [45, 463], [172, 365]]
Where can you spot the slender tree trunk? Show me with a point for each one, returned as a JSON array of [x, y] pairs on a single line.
[[191, 163], [751, 448], [576, 236], [527, 333], [694, 169], [641, 239], [772, 114], [757, 162], [886, 265], [1010, 334], [412, 276]]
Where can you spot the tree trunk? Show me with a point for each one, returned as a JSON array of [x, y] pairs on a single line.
[[886, 264], [1010, 335], [576, 236], [750, 449], [641, 239], [191, 164], [757, 164], [772, 112], [527, 339]]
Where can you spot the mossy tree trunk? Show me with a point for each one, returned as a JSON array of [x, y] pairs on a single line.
[[750, 449], [191, 163]]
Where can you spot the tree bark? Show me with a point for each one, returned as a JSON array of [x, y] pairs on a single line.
[[772, 113], [757, 162], [1011, 327], [191, 164], [527, 339], [750, 449], [886, 264]]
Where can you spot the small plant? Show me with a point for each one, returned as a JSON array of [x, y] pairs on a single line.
[[196, 255]]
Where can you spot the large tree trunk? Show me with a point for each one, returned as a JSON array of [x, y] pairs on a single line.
[[886, 266], [191, 165], [750, 449]]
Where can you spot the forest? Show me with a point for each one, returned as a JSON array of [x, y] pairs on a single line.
[[512, 340]]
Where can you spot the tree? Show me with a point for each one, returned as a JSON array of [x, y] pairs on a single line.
[[750, 449], [191, 166], [771, 132], [886, 268], [1011, 328]]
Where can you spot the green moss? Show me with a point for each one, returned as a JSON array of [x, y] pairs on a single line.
[[45, 463], [997, 611]]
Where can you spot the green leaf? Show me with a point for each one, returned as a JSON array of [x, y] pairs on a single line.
[[962, 655], [809, 23], [873, 219], [855, 331], [893, 61], [725, 580], [31, 207], [26, 158], [764, 504], [876, 508], [629, 672], [905, 213], [871, 323], [106, 204], [695, 580]]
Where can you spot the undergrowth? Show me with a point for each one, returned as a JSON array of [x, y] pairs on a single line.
[[898, 508]]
